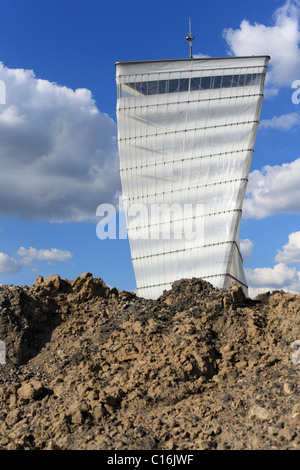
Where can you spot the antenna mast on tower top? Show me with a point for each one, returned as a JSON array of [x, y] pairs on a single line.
[[190, 38]]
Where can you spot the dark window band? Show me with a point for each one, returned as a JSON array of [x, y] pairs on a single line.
[[177, 85]]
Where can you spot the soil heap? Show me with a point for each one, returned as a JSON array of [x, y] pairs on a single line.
[[90, 367]]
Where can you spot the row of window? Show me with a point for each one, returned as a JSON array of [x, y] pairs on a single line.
[[187, 84]]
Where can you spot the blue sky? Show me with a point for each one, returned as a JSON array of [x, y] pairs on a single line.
[[58, 151]]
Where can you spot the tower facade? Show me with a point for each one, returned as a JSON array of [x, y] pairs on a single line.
[[186, 134]]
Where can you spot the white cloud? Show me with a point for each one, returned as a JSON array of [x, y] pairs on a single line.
[[290, 253], [58, 155], [43, 255], [280, 277], [285, 122], [246, 247], [276, 277], [273, 190], [270, 92], [280, 40], [8, 265], [201, 56]]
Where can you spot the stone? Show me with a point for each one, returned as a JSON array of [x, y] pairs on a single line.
[[272, 431], [53, 282], [237, 294], [39, 280], [139, 431], [99, 412], [258, 412], [32, 390], [77, 417], [137, 327], [13, 417], [287, 388]]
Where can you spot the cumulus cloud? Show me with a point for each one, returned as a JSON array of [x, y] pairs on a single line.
[[58, 152], [275, 277], [284, 122], [290, 254], [280, 40], [246, 247], [29, 254], [8, 265], [280, 277], [273, 190]]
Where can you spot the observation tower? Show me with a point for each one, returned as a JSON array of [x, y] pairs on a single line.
[[186, 135]]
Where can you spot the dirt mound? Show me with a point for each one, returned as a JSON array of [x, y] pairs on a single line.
[[90, 367]]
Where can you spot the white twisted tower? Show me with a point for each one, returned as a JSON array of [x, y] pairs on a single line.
[[186, 134]]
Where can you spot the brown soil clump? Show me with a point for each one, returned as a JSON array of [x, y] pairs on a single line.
[[90, 367]]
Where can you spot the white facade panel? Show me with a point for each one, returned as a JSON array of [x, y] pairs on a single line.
[[186, 133], [188, 66]]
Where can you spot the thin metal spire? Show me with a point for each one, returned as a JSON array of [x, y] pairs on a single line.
[[190, 38]]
